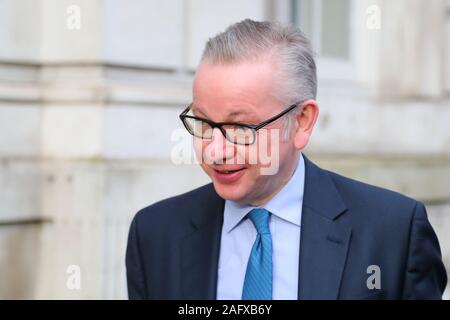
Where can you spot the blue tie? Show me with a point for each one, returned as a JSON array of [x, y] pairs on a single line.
[[258, 278]]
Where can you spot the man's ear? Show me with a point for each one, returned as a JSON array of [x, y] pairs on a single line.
[[305, 123]]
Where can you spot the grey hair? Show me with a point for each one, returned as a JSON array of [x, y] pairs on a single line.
[[249, 40]]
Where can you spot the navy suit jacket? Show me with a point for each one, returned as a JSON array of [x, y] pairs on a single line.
[[347, 226]]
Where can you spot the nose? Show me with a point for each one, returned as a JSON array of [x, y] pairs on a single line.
[[219, 149]]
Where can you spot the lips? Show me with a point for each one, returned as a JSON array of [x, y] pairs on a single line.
[[228, 171], [228, 174]]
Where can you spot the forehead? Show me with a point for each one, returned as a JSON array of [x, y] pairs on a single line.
[[234, 84]]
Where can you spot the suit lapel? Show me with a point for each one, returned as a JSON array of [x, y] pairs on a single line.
[[200, 250], [324, 238]]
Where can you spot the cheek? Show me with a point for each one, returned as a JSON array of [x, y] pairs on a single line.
[[283, 148], [253, 176], [267, 148], [242, 154], [198, 145], [273, 141], [199, 149], [206, 169], [254, 182]]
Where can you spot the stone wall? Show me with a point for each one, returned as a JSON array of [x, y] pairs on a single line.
[[87, 117]]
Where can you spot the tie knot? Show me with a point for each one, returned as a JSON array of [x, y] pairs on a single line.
[[260, 218]]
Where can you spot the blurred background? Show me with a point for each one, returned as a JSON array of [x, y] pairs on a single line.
[[90, 93]]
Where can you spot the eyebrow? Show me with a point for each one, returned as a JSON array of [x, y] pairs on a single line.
[[195, 108], [237, 113], [232, 114]]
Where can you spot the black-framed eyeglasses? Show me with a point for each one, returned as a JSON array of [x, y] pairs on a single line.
[[235, 132]]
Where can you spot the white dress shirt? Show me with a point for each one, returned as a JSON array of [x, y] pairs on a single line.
[[238, 236]]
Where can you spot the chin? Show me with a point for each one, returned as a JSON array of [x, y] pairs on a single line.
[[229, 192]]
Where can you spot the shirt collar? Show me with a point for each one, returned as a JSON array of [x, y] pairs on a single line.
[[286, 204]]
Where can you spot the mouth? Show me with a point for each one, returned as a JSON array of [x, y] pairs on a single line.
[[229, 175], [228, 171]]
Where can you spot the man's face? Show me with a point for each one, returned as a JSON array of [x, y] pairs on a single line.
[[242, 92]]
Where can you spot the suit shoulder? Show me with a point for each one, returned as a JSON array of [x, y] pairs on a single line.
[[176, 205], [360, 194]]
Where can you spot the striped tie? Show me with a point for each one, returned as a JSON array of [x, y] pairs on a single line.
[[258, 278]]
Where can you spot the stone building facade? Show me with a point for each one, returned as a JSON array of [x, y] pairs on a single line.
[[90, 92]]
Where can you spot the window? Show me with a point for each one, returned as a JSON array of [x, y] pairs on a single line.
[[327, 24]]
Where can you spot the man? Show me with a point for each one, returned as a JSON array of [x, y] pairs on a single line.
[[293, 231]]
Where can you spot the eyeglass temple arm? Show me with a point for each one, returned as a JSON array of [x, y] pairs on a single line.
[[265, 123]]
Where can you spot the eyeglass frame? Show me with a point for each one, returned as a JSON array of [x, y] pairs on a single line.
[[254, 127]]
